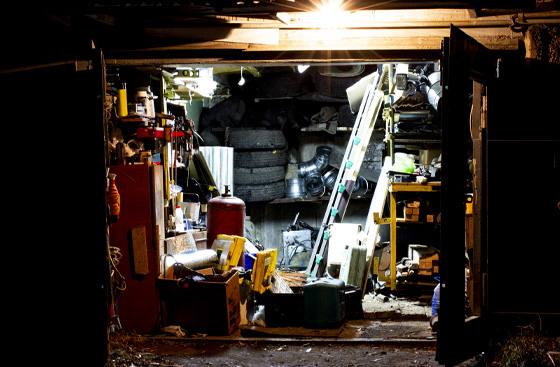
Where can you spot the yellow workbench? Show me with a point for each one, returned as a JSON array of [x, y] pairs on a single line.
[[394, 188]]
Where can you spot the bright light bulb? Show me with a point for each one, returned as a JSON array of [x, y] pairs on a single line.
[[242, 79], [330, 14], [301, 68], [331, 6]]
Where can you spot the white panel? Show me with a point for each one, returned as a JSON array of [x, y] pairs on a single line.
[[220, 162]]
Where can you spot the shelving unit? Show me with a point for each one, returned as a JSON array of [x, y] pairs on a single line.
[[394, 188]]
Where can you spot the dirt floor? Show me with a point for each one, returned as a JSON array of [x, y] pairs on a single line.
[[382, 307], [138, 351], [142, 352], [363, 342], [393, 332]]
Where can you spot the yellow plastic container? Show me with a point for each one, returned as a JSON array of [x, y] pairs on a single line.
[[229, 249], [122, 102], [264, 266]]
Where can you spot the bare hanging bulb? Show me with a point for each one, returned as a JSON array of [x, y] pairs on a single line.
[[242, 79]]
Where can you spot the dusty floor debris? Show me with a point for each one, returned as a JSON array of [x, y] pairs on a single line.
[[144, 352], [395, 309]]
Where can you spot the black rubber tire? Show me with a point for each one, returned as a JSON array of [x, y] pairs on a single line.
[[251, 139], [253, 193], [258, 176], [264, 158], [334, 86]]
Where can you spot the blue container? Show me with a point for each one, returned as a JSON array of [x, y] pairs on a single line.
[[435, 300], [249, 261]]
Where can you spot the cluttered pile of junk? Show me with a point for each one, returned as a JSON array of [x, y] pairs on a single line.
[[183, 256]]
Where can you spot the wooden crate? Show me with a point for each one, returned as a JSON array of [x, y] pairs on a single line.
[[210, 306]]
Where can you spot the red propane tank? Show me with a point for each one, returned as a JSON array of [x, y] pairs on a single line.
[[226, 215]]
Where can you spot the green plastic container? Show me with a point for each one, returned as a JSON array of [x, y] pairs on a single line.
[[324, 303]]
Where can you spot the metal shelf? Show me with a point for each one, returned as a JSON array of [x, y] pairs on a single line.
[[416, 141], [312, 199], [317, 129]]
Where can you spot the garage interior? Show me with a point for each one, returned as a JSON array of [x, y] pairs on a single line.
[[293, 173]]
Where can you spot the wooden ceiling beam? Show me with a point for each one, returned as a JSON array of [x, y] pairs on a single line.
[[347, 39]]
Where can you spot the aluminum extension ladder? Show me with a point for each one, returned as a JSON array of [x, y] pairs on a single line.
[[349, 169]]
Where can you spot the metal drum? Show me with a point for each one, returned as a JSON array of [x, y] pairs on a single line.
[[226, 215]]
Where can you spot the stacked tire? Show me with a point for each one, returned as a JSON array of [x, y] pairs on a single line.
[[259, 164]]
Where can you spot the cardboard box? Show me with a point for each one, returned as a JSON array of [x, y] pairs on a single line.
[[210, 306], [412, 211], [411, 218], [418, 253], [429, 265], [413, 204]]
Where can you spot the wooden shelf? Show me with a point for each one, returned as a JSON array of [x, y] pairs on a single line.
[[317, 129], [432, 186], [298, 200], [312, 199], [417, 141], [402, 221]]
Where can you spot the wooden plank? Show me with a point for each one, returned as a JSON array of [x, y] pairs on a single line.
[[413, 38], [209, 56], [139, 251], [290, 331], [374, 215], [376, 208], [400, 18], [393, 237], [414, 187], [409, 342], [263, 36], [158, 212], [279, 285], [478, 122]]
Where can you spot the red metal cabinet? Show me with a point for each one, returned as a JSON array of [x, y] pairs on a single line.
[[138, 304]]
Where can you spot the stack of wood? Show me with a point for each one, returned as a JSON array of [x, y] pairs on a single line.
[[292, 278]]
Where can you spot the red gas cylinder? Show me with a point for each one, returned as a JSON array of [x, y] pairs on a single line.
[[226, 215]]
